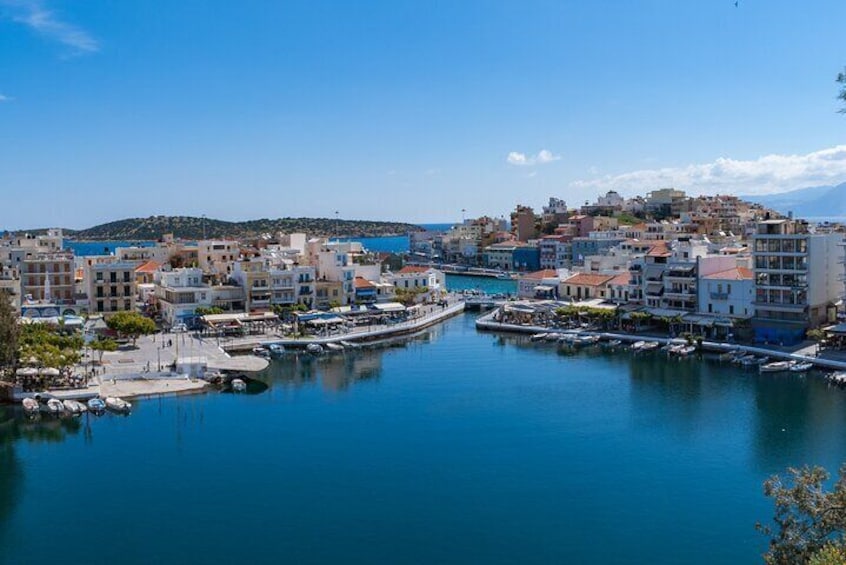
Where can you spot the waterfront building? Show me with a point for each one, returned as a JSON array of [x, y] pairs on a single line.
[[48, 277], [411, 277], [543, 284], [110, 287], [179, 292], [255, 279], [595, 244], [728, 293], [797, 279], [526, 257], [585, 286]]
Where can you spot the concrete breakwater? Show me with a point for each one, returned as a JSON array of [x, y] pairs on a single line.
[[487, 322]]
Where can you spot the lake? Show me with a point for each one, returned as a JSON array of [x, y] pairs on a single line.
[[452, 447]]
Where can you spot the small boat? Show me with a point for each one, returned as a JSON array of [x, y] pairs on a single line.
[[55, 406], [539, 337], [650, 346], [74, 406], [775, 367], [685, 350], [746, 358], [727, 356], [119, 405], [585, 340], [275, 350], [751, 361], [261, 351], [334, 347], [238, 385], [838, 379], [314, 348], [552, 336], [30, 405], [96, 405], [638, 345], [614, 343], [350, 344], [801, 367]]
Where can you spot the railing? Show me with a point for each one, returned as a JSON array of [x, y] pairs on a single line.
[[719, 296]]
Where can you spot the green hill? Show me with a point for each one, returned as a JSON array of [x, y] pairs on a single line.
[[193, 228]]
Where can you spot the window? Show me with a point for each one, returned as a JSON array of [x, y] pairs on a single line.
[[99, 305], [126, 290], [710, 308], [731, 308]]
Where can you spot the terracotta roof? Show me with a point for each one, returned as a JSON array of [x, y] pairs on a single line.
[[412, 269], [543, 274], [735, 274], [588, 279], [622, 278], [148, 267], [361, 282], [659, 250]]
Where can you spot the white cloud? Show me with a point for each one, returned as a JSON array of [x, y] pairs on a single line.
[[33, 14], [4, 98], [765, 175], [521, 159]]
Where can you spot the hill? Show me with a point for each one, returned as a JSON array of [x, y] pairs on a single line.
[[193, 228], [813, 202]]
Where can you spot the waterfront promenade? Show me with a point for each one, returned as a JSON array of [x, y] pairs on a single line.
[[805, 353]]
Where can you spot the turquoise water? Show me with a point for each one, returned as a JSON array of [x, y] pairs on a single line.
[[457, 447], [484, 284]]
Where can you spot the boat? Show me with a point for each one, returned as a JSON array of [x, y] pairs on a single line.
[[276, 350], [30, 405], [55, 406], [585, 340], [743, 359], [74, 406], [96, 405], [539, 337], [239, 385], [838, 378], [775, 367], [350, 344], [650, 346], [552, 336], [334, 347], [261, 351], [685, 350], [314, 348], [751, 361], [801, 367], [638, 345], [614, 343], [119, 405]]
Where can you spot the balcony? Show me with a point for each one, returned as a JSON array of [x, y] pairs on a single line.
[[719, 295]]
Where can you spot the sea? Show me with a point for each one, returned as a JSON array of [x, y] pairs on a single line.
[[451, 446]]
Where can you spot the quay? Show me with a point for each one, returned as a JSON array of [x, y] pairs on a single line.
[[435, 315], [487, 322]]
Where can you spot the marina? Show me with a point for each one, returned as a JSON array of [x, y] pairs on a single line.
[[385, 435]]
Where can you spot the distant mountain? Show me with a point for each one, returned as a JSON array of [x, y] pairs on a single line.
[[816, 201], [193, 228]]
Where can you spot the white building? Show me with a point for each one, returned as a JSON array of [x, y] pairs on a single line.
[[729, 293]]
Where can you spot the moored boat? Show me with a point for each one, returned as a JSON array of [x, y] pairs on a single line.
[[685, 350], [96, 405], [638, 345], [276, 350], [540, 336], [116, 404], [775, 367], [614, 342], [801, 367], [314, 348], [261, 351], [55, 406], [350, 344], [650, 346], [30, 405], [334, 347], [74, 406]]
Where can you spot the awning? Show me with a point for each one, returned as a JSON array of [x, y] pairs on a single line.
[[390, 307]]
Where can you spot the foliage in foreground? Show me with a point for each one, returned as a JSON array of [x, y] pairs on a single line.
[[131, 325], [810, 521]]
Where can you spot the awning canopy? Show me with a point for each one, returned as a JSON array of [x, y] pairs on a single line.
[[390, 307]]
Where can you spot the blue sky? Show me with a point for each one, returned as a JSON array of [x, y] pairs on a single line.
[[407, 110]]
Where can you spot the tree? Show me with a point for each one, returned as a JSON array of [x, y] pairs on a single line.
[[208, 310], [810, 522], [131, 325], [101, 345], [9, 332]]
